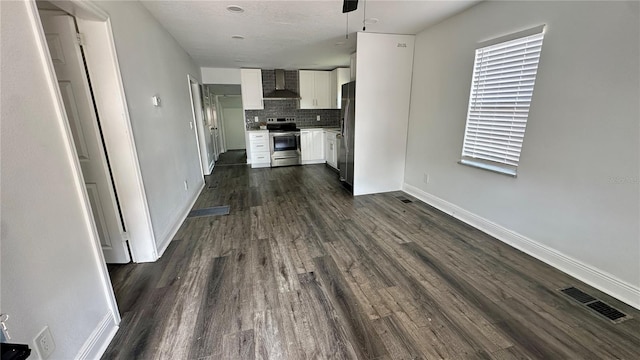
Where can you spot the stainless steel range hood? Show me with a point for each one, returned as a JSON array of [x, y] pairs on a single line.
[[281, 92]]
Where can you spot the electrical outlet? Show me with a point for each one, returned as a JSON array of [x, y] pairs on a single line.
[[425, 178], [317, 117], [256, 119], [44, 343], [186, 185]]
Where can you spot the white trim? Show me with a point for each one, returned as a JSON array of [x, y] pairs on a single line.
[[99, 339], [198, 125], [595, 277], [495, 167], [82, 9], [106, 81], [72, 158], [180, 218]]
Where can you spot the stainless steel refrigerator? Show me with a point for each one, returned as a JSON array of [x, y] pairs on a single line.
[[346, 137]]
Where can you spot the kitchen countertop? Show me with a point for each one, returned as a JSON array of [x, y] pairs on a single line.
[[332, 129], [320, 128]]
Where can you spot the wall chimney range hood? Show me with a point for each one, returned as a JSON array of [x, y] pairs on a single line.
[[281, 92]]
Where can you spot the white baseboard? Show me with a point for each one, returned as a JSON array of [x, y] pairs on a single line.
[[260, 165], [310, 162], [595, 277], [99, 339], [180, 217]]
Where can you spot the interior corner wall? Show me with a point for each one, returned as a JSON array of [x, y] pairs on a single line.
[[383, 90], [153, 63], [52, 273], [220, 75], [577, 193]]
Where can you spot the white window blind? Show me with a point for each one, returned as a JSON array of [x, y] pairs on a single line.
[[501, 89]]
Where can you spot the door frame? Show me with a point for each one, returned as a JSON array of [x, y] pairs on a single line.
[[92, 125], [72, 157], [223, 138], [111, 105], [198, 125]]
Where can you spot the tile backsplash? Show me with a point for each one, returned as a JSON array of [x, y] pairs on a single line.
[[289, 108]]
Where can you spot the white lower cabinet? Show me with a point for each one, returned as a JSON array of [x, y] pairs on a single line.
[[331, 149], [312, 146], [259, 148]]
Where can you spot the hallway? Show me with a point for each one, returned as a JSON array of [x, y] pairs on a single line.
[[299, 269], [232, 157]]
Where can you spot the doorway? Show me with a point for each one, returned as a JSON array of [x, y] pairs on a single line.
[[110, 126], [233, 121], [230, 117], [68, 59], [99, 65], [205, 148]]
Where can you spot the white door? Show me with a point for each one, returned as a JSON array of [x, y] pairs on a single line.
[[214, 133], [200, 129], [209, 127], [60, 32]]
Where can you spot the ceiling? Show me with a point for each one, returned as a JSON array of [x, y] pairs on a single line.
[[302, 34]]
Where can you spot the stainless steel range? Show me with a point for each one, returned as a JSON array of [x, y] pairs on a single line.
[[284, 141]]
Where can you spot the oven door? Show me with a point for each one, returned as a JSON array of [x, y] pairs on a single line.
[[285, 148]]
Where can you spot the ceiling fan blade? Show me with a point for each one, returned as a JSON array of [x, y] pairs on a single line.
[[349, 6]]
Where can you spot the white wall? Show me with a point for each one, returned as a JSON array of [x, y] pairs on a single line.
[[152, 62], [383, 89], [233, 120], [52, 270], [576, 197], [220, 75]]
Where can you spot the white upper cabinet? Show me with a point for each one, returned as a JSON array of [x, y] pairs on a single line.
[[251, 83], [315, 89], [323, 89], [339, 77], [307, 89]]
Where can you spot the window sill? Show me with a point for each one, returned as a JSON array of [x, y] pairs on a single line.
[[489, 167]]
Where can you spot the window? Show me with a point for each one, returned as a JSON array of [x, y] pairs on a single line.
[[504, 74]]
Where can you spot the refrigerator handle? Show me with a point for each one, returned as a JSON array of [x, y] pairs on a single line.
[[345, 127]]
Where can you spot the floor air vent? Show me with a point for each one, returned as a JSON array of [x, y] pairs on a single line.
[[578, 295], [212, 211], [595, 304], [404, 200], [606, 310]]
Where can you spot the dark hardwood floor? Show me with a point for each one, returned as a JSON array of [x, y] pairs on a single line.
[[300, 269], [232, 157]]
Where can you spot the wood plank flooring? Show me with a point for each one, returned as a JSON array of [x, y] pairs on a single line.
[[232, 157], [300, 269]]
